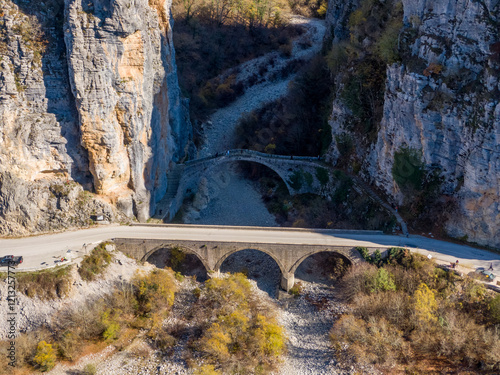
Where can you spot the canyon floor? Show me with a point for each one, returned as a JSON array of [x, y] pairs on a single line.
[[238, 202]]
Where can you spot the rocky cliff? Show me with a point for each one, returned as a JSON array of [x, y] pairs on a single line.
[[439, 111], [89, 100]]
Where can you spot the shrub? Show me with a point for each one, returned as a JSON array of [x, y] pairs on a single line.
[[433, 68], [111, 326], [382, 282], [322, 175], [494, 307], [296, 180], [387, 45], [296, 289], [154, 291], [239, 333], [393, 328], [45, 358], [206, 370], [90, 369], [425, 304], [408, 168], [94, 264], [45, 284]]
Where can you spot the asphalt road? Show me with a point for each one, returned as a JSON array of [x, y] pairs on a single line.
[[43, 251]]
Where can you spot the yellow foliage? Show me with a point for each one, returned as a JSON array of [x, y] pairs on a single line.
[[215, 342], [274, 338], [155, 290], [232, 290], [206, 370], [45, 357], [425, 304]]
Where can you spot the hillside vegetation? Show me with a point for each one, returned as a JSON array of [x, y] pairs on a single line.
[[407, 315], [230, 329]]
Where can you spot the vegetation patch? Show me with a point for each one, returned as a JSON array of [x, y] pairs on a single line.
[[213, 36], [296, 124], [115, 318], [238, 333], [94, 264], [407, 315], [45, 284]]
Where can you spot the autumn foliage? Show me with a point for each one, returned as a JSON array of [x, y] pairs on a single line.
[[240, 334], [409, 315]]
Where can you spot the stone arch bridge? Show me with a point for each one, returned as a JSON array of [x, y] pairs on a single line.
[[301, 174], [213, 253]]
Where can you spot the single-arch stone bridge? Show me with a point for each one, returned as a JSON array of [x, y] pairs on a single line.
[[213, 253], [301, 174]]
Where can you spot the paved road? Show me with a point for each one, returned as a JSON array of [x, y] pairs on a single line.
[[42, 251]]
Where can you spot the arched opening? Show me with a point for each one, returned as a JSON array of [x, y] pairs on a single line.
[[180, 260], [325, 267], [257, 266], [224, 195]]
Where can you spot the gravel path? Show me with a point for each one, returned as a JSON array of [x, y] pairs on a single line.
[[220, 130]]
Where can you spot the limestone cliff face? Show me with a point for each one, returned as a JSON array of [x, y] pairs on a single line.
[[121, 66], [88, 95], [445, 102]]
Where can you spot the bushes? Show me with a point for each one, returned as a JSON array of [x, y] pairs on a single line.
[[94, 264], [154, 291], [239, 334], [407, 314], [114, 317], [46, 284], [408, 168], [297, 124], [45, 357]]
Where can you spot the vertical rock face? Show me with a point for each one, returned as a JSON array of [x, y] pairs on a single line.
[[88, 95], [39, 133], [337, 17], [445, 102], [121, 67]]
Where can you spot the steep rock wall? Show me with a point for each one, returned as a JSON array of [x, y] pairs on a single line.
[[88, 100], [121, 66], [444, 100]]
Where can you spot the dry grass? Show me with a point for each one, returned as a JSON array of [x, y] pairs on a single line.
[[94, 264], [45, 284], [432, 320]]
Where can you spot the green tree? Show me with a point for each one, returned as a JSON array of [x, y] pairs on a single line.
[[494, 307], [384, 281]]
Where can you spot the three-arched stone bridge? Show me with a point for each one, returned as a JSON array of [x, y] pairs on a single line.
[[212, 254], [301, 174]]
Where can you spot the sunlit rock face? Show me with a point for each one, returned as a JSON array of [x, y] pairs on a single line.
[[88, 95], [444, 102]]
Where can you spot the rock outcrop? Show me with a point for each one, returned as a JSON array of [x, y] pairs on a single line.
[[88, 94], [443, 100]]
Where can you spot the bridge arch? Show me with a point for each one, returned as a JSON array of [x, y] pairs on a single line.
[[184, 248], [224, 160], [307, 255], [229, 253]]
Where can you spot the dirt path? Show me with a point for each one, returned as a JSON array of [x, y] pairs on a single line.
[[220, 130], [239, 202]]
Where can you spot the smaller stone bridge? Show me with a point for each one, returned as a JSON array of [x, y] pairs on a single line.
[[301, 174], [212, 254]]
